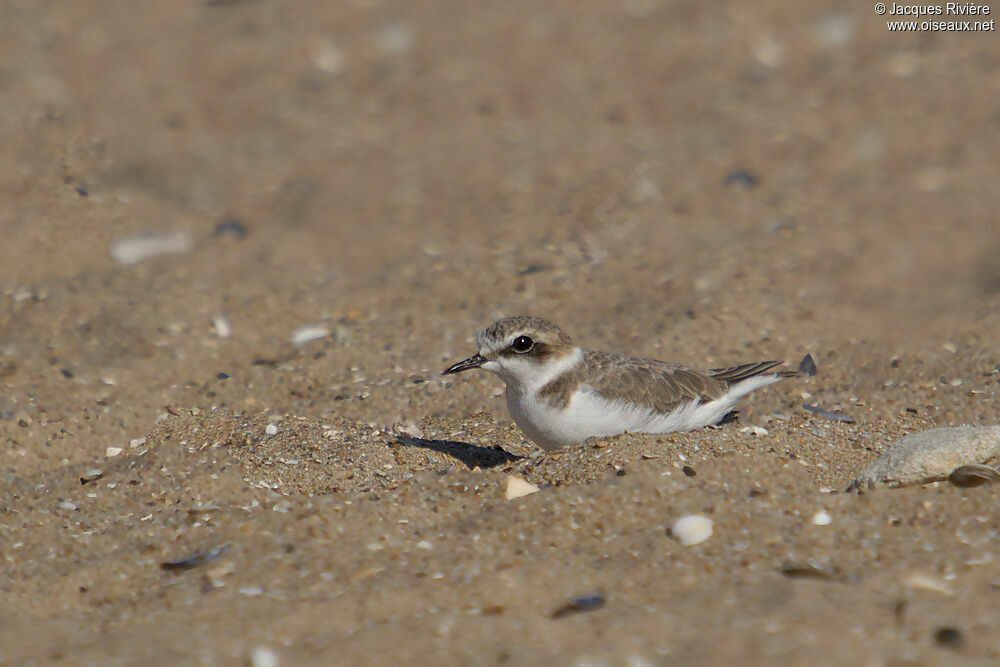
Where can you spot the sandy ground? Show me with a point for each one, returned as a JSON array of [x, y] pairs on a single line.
[[711, 183]]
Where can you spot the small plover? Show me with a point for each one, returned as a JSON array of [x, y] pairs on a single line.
[[560, 394]]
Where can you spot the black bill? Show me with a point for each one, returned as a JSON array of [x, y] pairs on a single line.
[[475, 361]]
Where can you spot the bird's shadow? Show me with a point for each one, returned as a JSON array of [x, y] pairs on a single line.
[[471, 455]]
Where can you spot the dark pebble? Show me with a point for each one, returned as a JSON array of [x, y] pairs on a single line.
[[810, 570], [91, 476], [949, 637], [194, 561], [807, 366], [579, 605], [230, 229], [534, 268], [67, 373], [82, 192], [741, 178], [223, 376], [689, 471]]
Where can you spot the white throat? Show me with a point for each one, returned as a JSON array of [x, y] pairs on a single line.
[[524, 375]]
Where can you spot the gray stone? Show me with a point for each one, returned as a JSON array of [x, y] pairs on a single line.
[[931, 456]]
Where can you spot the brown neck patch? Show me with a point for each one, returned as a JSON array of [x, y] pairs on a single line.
[[558, 391]]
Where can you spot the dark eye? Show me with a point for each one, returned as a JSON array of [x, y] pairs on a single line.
[[522, 344]]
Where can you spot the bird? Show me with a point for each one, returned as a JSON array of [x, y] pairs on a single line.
[[560, 394]]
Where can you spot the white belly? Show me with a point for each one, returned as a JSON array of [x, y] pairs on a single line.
[[589, 414]]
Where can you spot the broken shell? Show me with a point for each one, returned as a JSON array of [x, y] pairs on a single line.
[[811, 570], [91, 475], [517, 487], [974, 474]]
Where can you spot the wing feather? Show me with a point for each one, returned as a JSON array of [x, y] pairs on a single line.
[[659, 385]]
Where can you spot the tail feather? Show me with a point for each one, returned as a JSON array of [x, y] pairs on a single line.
[[735, 374]]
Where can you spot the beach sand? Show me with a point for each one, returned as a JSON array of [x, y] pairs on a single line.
[[705, 183]]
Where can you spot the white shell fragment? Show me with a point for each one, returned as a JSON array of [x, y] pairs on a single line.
[[517, 487], [920, 581], [692, 529], [271, 429], [821, 518], [308, 333], [135, 249], [932, 456], [223, 329], [112, 451], [262, 656]]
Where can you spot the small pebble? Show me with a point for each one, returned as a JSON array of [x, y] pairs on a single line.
[[827, 414], [412, 430], [741, 179], [949, 638], [309, 333], [91, 475], [135, 249], [231, 229], [112, 451], [67, 505], [691, 530], [579, 605], [807, 366], [923, 582], [821, 518], [262, 656], [271, 429], [195, 560], [810, 570], [517, 487], [221, 325]]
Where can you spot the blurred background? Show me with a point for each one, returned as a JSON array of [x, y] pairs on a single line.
[[189, 187]]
